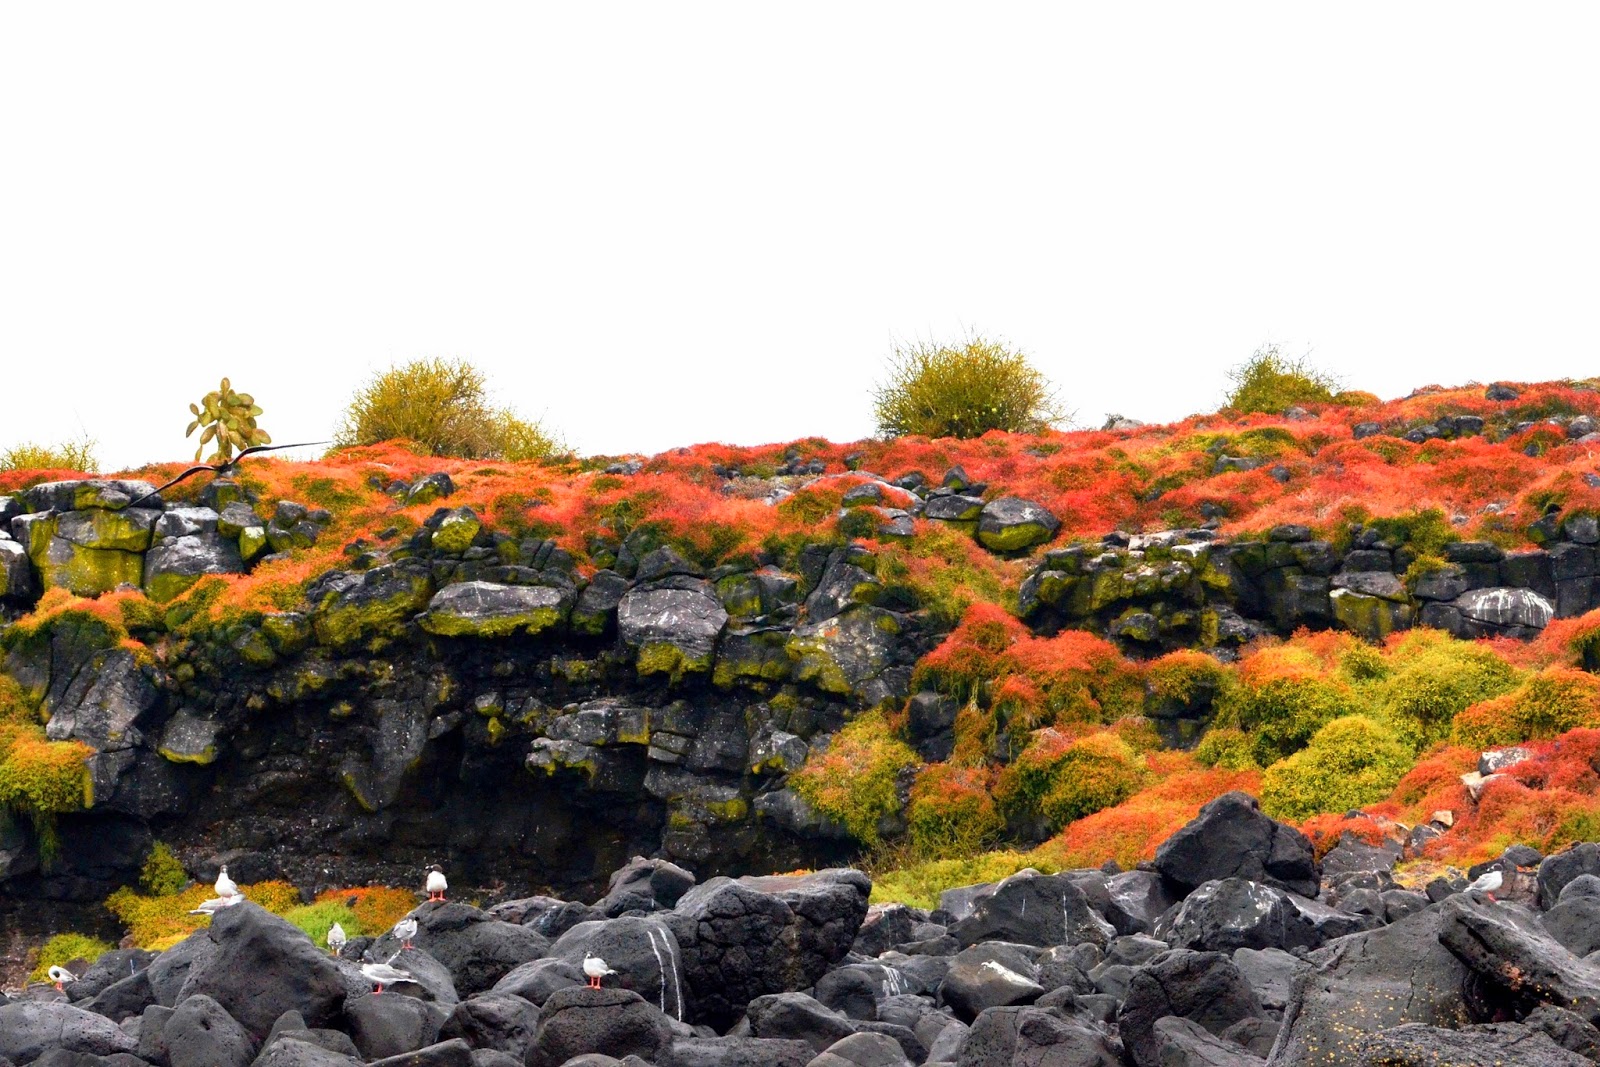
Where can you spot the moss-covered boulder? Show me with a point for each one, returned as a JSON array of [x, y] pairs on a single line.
[[111, 494], [177, 563], [88, 571], [487, 609], [672, 625], [189, 739], [350, 608], [848, 654], [455, 531], [753, 653], [1372, 617], [16, 573], [1011, 524], [129, 530]]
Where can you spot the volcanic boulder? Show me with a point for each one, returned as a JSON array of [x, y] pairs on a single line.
[[1231, 838]]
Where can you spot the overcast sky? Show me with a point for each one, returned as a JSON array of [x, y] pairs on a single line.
[[659, 224]]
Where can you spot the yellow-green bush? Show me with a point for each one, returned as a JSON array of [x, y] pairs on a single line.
[[1271, 382], [1185, 679], [952, 812], [1551, 702], [162, 874], [159, 922], [920, 884], [1352, 761], [1228, 749], [962, 390], [442, 405], [854, 782], [1434, 679], [1095, 772], [68, 456], [317, 919], [38, 778], [62, 949], [1284, 694]]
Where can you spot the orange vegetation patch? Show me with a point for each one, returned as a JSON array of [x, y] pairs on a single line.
[[376, 907], [1131, 832]]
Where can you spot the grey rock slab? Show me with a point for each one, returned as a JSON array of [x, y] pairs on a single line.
[[30, 1028], [1034, 909], [1506, 607]]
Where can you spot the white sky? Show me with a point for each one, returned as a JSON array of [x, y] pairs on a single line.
[[657, 224]]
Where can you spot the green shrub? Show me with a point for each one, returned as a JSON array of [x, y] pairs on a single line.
[[1096, 772], [1185, 680], [1350, 762], [963, 390], [1551, 702], [62, 949], [443, 406], [1283, 696], [1270, 382], [68, 456], [952, 812], [1227, 749], [162, 874], [920, 884], [1435, 679], [856, 781], [317, 919]]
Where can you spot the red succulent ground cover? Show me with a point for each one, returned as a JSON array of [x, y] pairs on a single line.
[[1045, 695]]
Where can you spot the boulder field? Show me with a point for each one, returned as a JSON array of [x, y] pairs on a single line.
[[1234, 948]]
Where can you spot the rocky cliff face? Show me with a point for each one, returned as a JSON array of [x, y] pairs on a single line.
[[457, 697]]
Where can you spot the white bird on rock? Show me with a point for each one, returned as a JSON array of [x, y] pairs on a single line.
[[1487, 882], [61, 976], [596, 968], [382, 974], [336, 939], [215, 904], [225, 887], [405, 930], [436, 885]]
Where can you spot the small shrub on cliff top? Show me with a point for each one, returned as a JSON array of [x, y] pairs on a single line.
[[67, 456], [1271, 383], [229, 421], [1350, 762], [963, 390], [855, 782], [1551, 702], [442, 405], [63, 949]]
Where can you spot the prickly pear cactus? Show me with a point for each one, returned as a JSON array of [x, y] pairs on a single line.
[[229, 420]]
